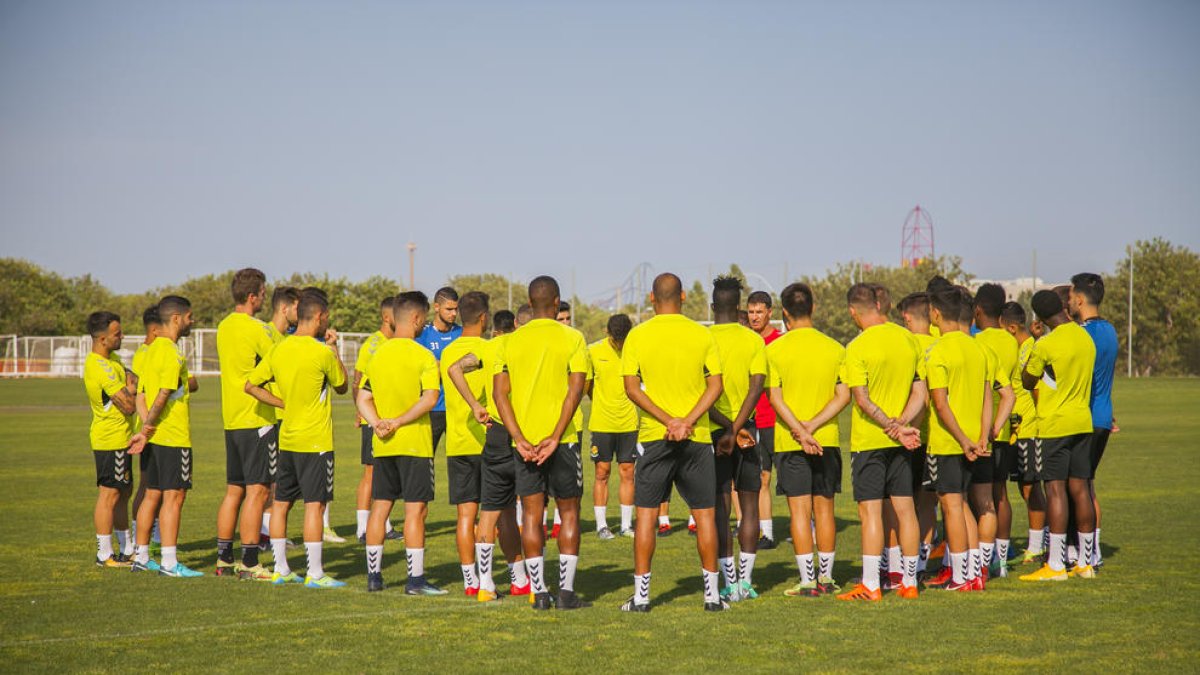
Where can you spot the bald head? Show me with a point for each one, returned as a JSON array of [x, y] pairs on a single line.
[[668, 288], [544, 296]]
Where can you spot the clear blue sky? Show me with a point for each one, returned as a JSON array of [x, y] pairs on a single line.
[[145, 142]]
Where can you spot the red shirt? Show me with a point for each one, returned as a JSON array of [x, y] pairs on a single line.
[[764, 414]]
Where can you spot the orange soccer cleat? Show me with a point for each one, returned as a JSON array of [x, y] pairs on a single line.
[[861, 592]]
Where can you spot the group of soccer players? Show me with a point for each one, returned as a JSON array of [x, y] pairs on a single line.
[[945, 410]]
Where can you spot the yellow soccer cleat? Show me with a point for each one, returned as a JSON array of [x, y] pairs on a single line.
[[1083, 572], [1045, 574], [485, 595]]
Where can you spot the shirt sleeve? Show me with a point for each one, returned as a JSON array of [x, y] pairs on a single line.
[[169, 370], [262, 373], [430, 377], [1036, 365], [712, 358], [916, 344], [855, 371], [841, 369], [337, 377], [112, 380], [630, 365], [360, 363], [499, 359], [579, 362], [758, 360], [935, 366], [773, 376]]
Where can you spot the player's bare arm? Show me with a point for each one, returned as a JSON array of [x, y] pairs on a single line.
[[941, 407], [501, 390], [800, 433], [1008, 399], [457, 374], [575, 384], [262, 395]]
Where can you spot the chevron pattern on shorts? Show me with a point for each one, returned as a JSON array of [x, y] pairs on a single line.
[[122, 471], [185, 464], [329, 473]]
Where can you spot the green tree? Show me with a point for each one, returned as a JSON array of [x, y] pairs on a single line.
[[1166, 308], [34, 301]]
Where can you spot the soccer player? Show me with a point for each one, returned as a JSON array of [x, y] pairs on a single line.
[[564, 317], [1067, 356], [1025, 441], [152, 325], [503, 323], [807, 393], [1087, 292], [672, 370], [111, 395], [367, 435], [885, 379], [435, 336], [251, 443], [613, 425], [539, 377], [284, 300], [914, 310], [165, 393], [399, 389], [989, 487], [960, 388], [304, 369], [744, 374], [758, 309], [523, 316], [564, 313]]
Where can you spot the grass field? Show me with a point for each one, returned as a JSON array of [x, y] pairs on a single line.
[[60, 612]]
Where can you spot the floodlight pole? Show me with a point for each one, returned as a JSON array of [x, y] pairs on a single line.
[[412, 261]]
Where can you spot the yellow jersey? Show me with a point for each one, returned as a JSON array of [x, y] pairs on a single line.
[[242, 342], [465, 435], [305, 371], [886, 359], [1064, 359], [102, 379], [166, 369], [1024, 405], [396, 376], [961, 366], [366, 351], [806, 365], [1005, 350], [743, 355], [539, 358], [612, 411]]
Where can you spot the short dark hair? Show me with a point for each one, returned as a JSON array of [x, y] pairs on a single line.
[[727, 292], [543, 291], [504, 321], [445, 293], [313, 289], [952, 303], [411, 302], [387, 303], [797, 300], [882, 296], [862, 295], [246, 281], [990, 299], [966, 314], [313, 301], [915, 303], [619, 326], [98, 323], [937, 284], [472, 306], [1013, 312], [760, 298], [150, 317], [564, 306], [171, 305], [1064, 294], [524, 313], [284, 295], [1046, 304], [1090, 286]]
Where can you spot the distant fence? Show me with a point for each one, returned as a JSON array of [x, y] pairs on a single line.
[[63, 355]]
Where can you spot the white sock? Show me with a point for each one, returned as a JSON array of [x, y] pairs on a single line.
[[909, 571], [805, 564], [976, 563], [958, 567], [894, 560], [641, 589], [143, 553], [325, 517], [825, 560], [360, 517], [483, 554], [1002, 551], [691, 521], [566, 571], [374, 558], [520, 512], [123, 541], [279, 548], [923, 558], [469, 580], [627, 516], [767, 528], [711, 585], [154, 534], [266, 523], [1036, 543], [1057, 560], [871, 572], [386, 528], [986, 551], [1087, 546], [518, 575], [557, 517], [746, 566], [416, 562], [664, 520], [1097, 557], [728, 569], [536, 576], [314, 550], [601, 513], [169, 561], [133, 529], [104, 549]]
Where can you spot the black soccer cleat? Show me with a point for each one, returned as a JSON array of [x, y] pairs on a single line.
[[718, 606], [375, 582], [766, 544], [568, 600], [631, 606], [542, 602]]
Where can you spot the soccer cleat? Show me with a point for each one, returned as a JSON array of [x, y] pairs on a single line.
[[375, 582], [1044, 573], [149, 566], [179, 571], [541, 602], [803, 590], [1029, 557], [861, 592], [126, 558], [664, 530], [1083, 572], [226, 569], [419, 586], [112, 563], [568, 600], [827, 586], [692, 529], [264, 542], [323, 582], [332, 537], [362, 539], [290, 578], [471, 591], [731, 593], [909, 592], [394, 535], [996, 570], [978, 583], [291, 545], [631, 606], [554, 531], [485, 595], [515, 590], [256, 573], [747, 591], [718, 606], [963, 587], [938, 551], [626, 532], [766, 544], [892, 581], [944, 577], [605, 534]]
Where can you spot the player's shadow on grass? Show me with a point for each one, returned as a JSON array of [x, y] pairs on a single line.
[[595, 581]]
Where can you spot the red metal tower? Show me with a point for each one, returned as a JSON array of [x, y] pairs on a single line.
[[916, 240]]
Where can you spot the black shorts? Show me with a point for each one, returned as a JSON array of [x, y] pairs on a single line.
[[1025, 465], [145, 459], [876, 474], [801, 474], [465, 473], [622, 445], [437, 422], [688, 465], [306, 476], [367, 447], [918, 469], [498, 472], [251, 456], [765, 445], [403, 478], [114, 469], [1004, 456], [1065, 457], [983, 469], [739, 470], [946, 474], [560, 477], [1097, 443], [171, 468]]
